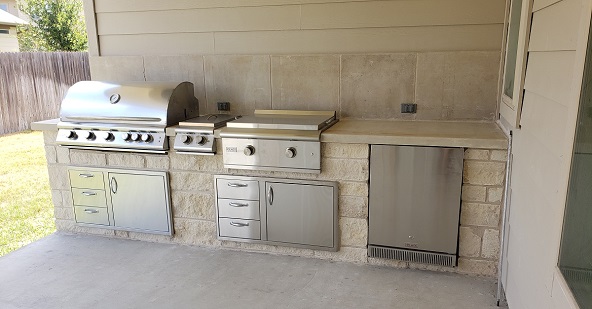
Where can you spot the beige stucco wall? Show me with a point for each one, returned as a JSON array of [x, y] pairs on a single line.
[[360, 58], [542, 154]]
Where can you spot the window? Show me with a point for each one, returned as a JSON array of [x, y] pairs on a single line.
[[519, 19], [4, 6], [4, 31]]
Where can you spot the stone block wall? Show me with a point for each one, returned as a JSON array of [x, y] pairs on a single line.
[[193, 207]]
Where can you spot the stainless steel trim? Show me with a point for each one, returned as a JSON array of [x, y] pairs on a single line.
[[87, 193], [86, 175], [293, 112], [237, 185], [290, 135], [117, 149], [238, 224], [271, 168], [235, 204], [91, 211], [114, 119]]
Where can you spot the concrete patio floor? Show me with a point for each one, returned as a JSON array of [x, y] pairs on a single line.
[[80, 271]]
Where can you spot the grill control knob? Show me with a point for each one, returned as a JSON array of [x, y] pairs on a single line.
[[126, 136], [90, 135], [186, 139], [249, 150], [72, 135], [108, 136], [290, 152], [136, 136], [147, 138], [201, 140]]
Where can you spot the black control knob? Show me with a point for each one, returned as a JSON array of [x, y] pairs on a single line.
[[290, 152], [249, 150], [72, 135], [147, 138], [186, 139], [126, 136], [136, 136], [108, 136], [90, 135], [201, 140]]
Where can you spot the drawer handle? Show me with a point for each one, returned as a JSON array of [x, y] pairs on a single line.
[[238, 224], [86, 175], [237, 185], [87, 193], [235, 204], [91, 211]]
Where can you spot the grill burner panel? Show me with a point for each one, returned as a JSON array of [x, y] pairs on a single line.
[[196, 135], [276, 140]]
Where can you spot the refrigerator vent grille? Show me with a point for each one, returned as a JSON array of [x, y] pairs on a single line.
[[412, 256]]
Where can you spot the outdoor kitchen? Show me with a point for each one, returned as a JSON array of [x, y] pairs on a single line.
[[301, 154], [139, 160]]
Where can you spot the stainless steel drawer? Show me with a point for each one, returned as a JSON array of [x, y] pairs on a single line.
[[250, 229], [92, 215], [230, 208], [89, 197], [86, 179], [238, 189]]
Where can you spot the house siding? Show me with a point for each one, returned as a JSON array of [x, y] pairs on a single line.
[[295, 27], [542, 154]]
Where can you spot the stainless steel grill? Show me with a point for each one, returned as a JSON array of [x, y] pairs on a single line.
[[123, 116], [277, 140]]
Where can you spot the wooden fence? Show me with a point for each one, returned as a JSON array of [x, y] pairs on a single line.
[[32, 86]]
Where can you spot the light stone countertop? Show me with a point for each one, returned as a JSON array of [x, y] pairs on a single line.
[[418, 133], [391, 132], [45, 125]]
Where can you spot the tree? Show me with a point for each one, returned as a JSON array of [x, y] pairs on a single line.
[[55, 25]]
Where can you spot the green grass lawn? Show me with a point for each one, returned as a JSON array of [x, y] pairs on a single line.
[[26, 209]]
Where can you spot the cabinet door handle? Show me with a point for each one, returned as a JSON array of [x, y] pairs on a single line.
[[237, 185], [238, 224], [86, 175], [88, 193], [235, 204], [113, 184], [270, 195], [91, 211]]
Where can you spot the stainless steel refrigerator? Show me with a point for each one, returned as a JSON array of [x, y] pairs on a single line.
[[414, 204]]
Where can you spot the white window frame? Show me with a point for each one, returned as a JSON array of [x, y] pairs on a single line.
[[510, 109]]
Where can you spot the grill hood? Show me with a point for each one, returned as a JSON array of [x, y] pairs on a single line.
[[146, 104]]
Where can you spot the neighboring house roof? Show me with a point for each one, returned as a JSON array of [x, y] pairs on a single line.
[[10, 20]]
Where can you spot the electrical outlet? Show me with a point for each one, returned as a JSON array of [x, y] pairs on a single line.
[[408, 108], [223, 106]]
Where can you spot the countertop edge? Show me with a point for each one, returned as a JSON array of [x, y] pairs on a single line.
[[352, 138], [45, 125]]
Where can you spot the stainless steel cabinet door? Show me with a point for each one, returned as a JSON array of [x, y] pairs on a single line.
[[415, 197], [300, 214], [139, 202]]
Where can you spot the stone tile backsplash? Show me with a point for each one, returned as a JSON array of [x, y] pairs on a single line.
[[459, 85]]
